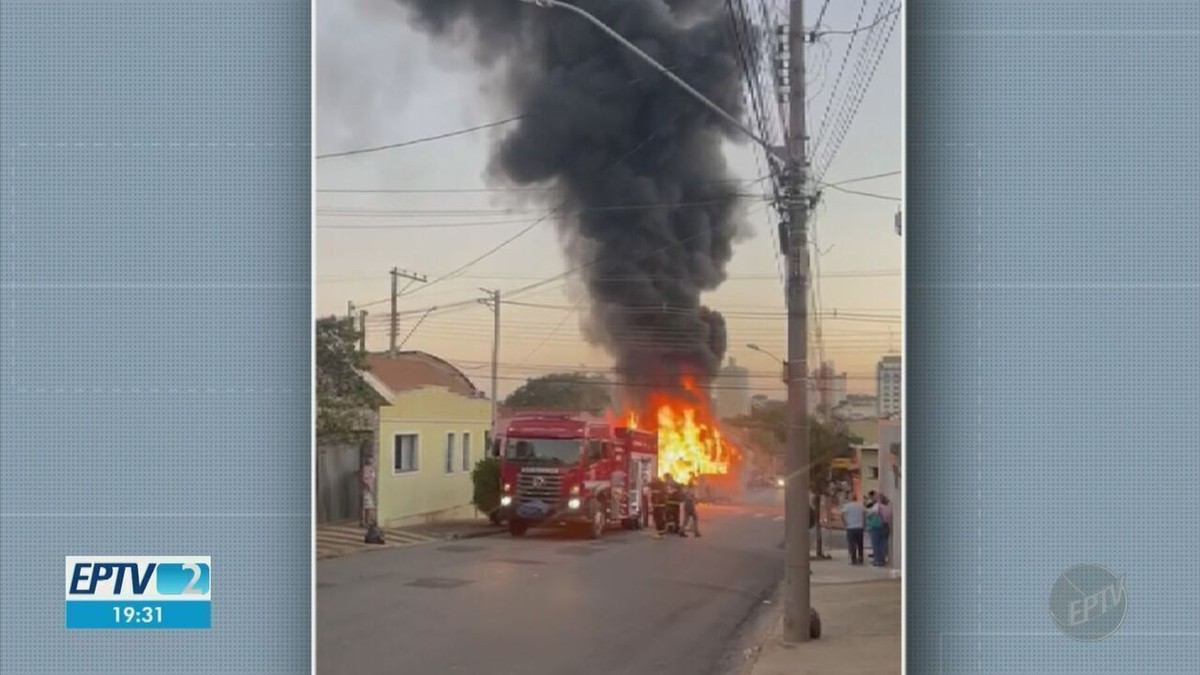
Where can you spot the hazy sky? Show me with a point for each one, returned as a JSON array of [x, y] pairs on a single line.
[[378, 82]]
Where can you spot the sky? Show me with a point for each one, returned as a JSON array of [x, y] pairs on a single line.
[[425, 208]]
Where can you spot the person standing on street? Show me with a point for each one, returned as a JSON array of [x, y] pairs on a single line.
[[689, 509], [853, 520], [366, 482], [674, 506], [875, 531], [885, 510], [658, 506]]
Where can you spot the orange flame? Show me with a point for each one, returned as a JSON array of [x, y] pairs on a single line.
[[689, 441], [688, 447]]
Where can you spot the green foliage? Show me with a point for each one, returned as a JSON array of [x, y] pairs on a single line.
[[343, 399], [486, 479], [826, 439], [563, 391]]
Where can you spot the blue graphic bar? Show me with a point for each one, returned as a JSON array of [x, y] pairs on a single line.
[[153, 615]]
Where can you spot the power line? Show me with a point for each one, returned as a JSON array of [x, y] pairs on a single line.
[[864, 194], [861, 29], [853, 274], [862, 178], [859, 87], [443, 213], [748, 181], [421, 226], [833, 93], [821, 15], [425, 139], [544, 217]]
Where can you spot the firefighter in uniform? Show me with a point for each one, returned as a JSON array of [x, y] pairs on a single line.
[[658, 505], [674, 506]]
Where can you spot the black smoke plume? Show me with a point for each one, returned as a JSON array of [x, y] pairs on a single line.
[[635, 164]]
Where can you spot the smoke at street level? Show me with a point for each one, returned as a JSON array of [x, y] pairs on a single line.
[[605, 131]]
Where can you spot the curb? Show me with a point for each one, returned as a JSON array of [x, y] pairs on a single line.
[[476, 535], [850, 582]]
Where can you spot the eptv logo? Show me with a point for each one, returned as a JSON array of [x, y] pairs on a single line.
[[138, 592]]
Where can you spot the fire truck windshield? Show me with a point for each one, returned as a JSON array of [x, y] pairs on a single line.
[[548, 450]]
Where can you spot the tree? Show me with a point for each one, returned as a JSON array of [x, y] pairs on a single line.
[[343, 398], [563, 391], [827, 440], [485, 478]]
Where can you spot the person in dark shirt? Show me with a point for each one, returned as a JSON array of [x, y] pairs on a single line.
[[658, 505], [674, 505]]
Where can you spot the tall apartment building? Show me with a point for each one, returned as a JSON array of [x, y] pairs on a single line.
[[887, 386], [826, 387], [732, 391]]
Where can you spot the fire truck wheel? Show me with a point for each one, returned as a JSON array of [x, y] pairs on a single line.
[[517, 527]]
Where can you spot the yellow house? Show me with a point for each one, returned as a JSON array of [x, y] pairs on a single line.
[[431, 432]]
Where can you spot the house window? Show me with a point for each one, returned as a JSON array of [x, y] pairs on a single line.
[[874, 472], [450, 452], [404, 453], [466, 451]]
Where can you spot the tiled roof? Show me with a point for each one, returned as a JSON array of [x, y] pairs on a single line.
[[412, 370]]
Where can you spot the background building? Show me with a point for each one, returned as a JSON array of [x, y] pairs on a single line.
[[732, 391], [857, 407], [826, 388], [887, 385]]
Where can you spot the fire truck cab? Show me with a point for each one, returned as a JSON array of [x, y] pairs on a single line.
[[573, 470]]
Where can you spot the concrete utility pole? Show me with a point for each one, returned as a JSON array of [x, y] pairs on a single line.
[[493, 301], [796, 605], [362, 331], [394, 329]]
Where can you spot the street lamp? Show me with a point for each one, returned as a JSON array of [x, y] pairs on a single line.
[[781, 362], [800, 622]]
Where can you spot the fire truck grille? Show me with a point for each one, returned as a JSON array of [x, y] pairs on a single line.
[[539, 486]]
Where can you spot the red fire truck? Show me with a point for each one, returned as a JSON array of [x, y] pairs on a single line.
[[573, 470]]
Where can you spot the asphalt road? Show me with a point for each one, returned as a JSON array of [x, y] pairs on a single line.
[[551, 604]]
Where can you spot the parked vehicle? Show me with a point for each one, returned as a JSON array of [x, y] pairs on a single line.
[[562, 469]]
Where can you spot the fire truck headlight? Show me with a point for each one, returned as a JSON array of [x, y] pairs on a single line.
[[574, 489], [508, 487], [505, 500], [573, 503]]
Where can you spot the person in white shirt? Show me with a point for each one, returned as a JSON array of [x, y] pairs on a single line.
[[854, 517]]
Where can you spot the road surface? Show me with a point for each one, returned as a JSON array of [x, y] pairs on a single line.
[[549, 604]]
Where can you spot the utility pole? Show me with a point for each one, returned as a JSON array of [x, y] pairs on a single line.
[[796, 606], [493, 301], [394, 328], [362, 331]]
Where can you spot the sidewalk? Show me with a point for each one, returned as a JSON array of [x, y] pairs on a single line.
[[860, 626], [335, 540]]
